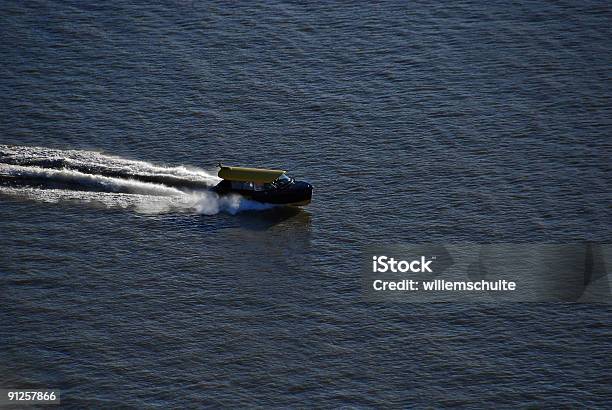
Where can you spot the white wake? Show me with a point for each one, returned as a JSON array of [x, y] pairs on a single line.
[[51, 175]]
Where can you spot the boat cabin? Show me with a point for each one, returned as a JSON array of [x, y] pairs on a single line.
[[264, 185]]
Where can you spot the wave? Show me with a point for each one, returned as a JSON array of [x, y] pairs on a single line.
[[87, 181], [51, 175], [91, 162]]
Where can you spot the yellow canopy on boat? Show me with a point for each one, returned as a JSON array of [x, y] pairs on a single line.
[[258, 175]]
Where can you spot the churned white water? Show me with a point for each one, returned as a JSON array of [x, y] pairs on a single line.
[[35, 172]]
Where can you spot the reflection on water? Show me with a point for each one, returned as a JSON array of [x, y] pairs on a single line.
[[297, 218]]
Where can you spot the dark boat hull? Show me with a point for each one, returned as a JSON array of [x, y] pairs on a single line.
[[297, 194]]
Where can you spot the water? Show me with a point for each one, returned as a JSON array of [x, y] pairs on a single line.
[[414, 122]]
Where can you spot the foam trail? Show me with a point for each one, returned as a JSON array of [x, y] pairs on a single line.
[[93, 181], [209, 203], [205, 203], [91, 162], [139, 202], [52, 175]]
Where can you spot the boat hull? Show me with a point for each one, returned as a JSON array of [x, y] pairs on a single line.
[[296, 194]]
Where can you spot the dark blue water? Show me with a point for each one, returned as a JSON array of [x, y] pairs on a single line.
[[459, 122]]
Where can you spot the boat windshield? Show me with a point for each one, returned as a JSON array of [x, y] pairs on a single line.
[[283, 180], [279, 182]]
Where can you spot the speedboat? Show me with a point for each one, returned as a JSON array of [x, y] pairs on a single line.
[[272, 186]]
